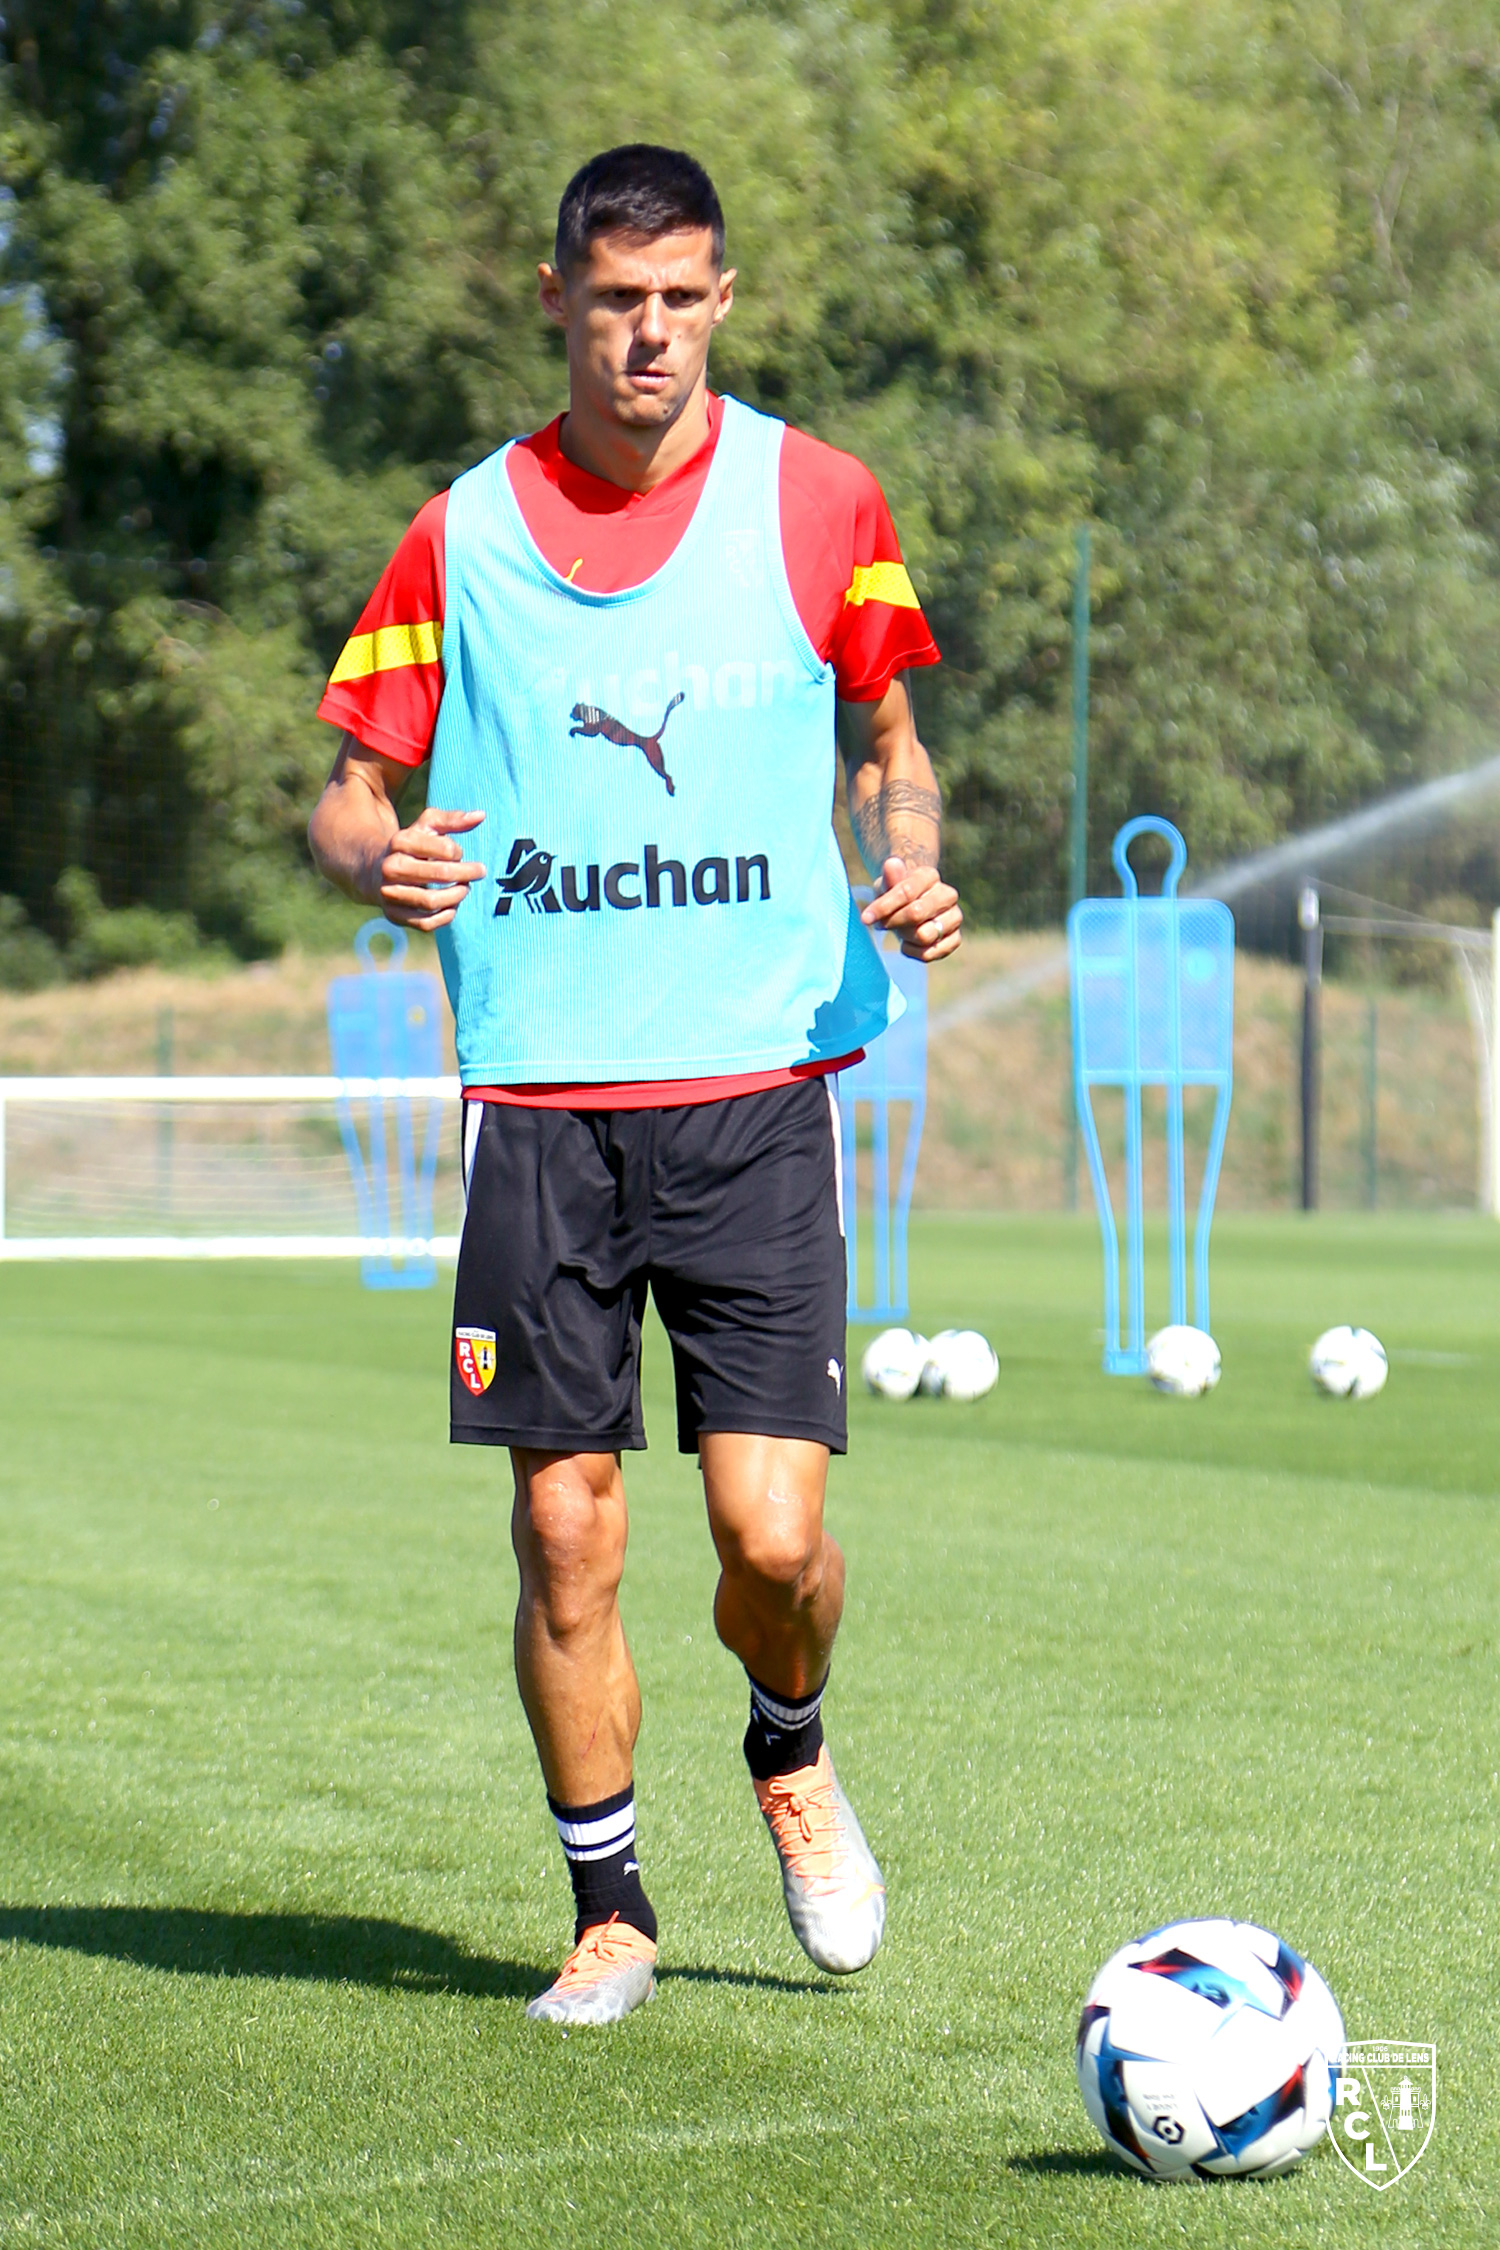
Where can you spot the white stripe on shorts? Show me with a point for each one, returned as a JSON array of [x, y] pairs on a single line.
[[836, 1120], [469, 1139]]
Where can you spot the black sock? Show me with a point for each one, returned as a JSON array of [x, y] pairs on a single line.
[[598, 1843], [783, 1735]]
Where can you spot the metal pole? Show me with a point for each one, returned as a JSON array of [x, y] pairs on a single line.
[[1310, 922], [1078, 871], [1494, 1062], [1078, 836], [1372, 1098]]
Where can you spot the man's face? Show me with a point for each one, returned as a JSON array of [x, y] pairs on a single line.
[[638, 317]]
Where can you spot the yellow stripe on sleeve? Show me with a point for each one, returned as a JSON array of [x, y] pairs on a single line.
[[388, 650], [882, 582]]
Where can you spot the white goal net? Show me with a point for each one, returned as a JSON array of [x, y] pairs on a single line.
[[227, 1167], [1476, 955]]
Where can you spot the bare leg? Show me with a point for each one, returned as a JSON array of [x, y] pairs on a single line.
[[781, 1582], [780, 1597], [573, 1668]]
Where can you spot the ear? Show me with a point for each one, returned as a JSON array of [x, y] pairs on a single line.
[[552, 290], [726, 296]]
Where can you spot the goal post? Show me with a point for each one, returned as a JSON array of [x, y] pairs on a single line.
[[207, 1167], [1476, 953]]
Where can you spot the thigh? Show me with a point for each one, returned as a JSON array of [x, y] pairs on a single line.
[[551, 1284], [748, 1268]]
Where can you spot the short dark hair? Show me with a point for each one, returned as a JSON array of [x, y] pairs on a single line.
[[638, 189]]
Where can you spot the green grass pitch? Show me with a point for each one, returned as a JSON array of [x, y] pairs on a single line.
[[276, 1874]]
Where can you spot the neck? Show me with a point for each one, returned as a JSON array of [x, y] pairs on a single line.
[[635, 459]]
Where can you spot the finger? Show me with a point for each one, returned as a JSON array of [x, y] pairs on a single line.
[[935, 939], [447, 822], [880, 909], [409, 919], [425, 843], [931, 905], [422, 898], [947, 923], [891, 872], [932, 937], [916, 951], [915, 899], [407, 867]]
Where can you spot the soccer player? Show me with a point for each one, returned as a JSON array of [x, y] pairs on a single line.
[[621, 642]]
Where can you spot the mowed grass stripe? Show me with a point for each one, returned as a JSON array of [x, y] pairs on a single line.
[[352, 2183], [267, 1918]]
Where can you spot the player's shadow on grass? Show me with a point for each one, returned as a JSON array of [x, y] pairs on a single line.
[[320, 1948], [1089, 2162], [752, 1980]]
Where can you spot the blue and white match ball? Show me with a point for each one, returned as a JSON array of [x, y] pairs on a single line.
[[960, 1364], [893, 1363], [1348, 1363], [1209, 2048], [1183, 1362]]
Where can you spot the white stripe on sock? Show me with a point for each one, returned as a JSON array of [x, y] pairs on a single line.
[[785, 1714], [576, 1858], [609, 1831]]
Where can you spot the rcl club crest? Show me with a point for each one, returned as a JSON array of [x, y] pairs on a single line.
[[1385, 2102], [474, 1356]]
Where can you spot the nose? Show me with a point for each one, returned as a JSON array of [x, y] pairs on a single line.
[[655, 328]]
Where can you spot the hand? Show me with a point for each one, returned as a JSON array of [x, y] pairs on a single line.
[[423, 878], [920, 908]]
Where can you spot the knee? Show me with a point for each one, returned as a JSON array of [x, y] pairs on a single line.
[[569, 1537], [780, 1553]]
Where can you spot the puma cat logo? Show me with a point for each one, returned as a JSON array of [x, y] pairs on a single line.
[[593, 721]]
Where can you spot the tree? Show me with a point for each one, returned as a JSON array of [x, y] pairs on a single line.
[[1220, 280]]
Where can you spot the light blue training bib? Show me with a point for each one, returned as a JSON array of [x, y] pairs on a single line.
[[665, 897]]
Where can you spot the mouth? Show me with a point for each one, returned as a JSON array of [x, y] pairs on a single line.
[[648, 379]]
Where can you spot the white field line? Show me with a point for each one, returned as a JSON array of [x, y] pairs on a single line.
[[221, 1089], [36, 1249], [355, 2183]]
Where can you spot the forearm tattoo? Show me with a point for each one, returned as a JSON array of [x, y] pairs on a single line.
[[901, 820]]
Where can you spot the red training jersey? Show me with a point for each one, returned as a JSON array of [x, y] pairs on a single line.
[[844, 567]]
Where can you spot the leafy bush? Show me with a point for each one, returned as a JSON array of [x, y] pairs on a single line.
[[29, 961], [103, 938]]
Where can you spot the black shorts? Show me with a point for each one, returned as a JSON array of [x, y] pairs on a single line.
[[729, 1210]]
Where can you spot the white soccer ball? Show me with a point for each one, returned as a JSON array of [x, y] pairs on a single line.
[[892, 1365], [1348, 1363], [1209, 2047], [960, 1364], [1184, 1362]]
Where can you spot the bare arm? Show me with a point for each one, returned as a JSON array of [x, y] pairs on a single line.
[[896, 812], [415, 875]]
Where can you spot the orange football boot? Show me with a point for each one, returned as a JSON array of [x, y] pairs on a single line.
[[835, 1896], [611, 1970]]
